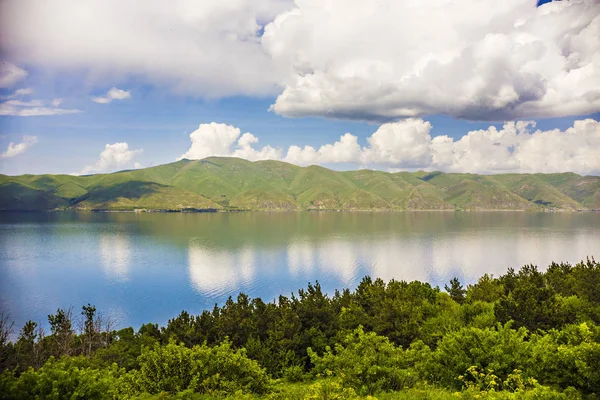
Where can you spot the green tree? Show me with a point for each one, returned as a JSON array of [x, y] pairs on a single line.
[[7, 351], [90, 328], [487, 289], [530, 302], [456, 290], [28, 347], [62, 332]]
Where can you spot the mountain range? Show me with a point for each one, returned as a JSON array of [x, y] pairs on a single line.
[[230, 184]]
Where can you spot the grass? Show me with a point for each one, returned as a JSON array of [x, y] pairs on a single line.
[[236, 184]]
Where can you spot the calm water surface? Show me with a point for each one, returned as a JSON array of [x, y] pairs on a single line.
[[141, 268]]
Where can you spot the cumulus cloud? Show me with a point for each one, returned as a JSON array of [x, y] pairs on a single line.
[[405, 143], [408, 145], [113, 156], [112, 94], [15, 149], [10, 74], [479, 60], [518, 148], [206, 48], [346, 150], [224, 140], [379, 61]]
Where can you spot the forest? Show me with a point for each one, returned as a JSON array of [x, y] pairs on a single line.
[[527, 334]]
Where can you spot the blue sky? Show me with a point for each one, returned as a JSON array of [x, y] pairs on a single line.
[[289, 93], [161, 123]]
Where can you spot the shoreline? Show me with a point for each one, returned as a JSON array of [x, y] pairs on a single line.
[[204, 211]]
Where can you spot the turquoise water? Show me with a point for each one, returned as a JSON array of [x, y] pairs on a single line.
[[139, 268]]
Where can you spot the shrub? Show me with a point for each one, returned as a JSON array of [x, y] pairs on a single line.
[[500, 349], [367, 362], [67, 378], [174, 368]]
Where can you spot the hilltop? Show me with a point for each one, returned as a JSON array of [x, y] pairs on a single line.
[[228, 184]]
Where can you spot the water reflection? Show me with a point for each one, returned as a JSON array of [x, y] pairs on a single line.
[[338, 257], [300, 257], [215, 272], [148, 267], [115, 253], [423, 256]]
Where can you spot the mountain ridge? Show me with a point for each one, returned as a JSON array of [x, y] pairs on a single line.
[[233, 184]]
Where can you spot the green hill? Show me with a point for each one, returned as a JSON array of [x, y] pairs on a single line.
[[218, 183]]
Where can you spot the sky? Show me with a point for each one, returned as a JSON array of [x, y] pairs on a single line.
[[452, 85]]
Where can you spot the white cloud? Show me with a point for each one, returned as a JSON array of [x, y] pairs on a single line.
[[351, 59], [113, 156], [15, 149], [245, 150], [112, 94], [20, 103], [514, 148], [222, 140], [206, 48], [32, 108], [18, 93], [23, 92], [408, 145], [482, 60], [346, 150], [405, 143], [10, 74]]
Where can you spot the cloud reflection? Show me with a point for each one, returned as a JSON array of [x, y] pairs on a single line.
[[115, 252], [300, 257], [436, 258], [341, 261], [215, 272]]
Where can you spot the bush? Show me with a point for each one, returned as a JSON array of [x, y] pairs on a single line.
[[67, 378], [295, 373], [174, 368], [366, 362], [500, 349], [567, 358]]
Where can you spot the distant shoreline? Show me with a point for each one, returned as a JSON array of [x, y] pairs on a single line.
[[233, 185], [158, 211]]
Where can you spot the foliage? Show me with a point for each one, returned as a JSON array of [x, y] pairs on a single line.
[[367, 362], [501, 349], [456, 290], [174, 368], [69, 377], [525, 334]]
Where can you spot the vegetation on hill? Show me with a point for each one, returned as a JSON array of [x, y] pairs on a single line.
[[235, 184], [523, 335]]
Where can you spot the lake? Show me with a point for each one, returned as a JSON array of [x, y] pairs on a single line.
[[141, 268]]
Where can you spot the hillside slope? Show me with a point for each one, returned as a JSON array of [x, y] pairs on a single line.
[[218, 183]]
